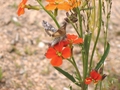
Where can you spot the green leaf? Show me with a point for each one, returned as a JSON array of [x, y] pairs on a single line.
[[89, 8], [103, 57], [70, 77], [87, 42], [51, 88], [1, 73], [55, 12], [71, 88], [85, 54]]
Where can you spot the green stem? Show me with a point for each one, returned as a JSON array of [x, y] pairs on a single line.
[[76, 68], [108, 18], [99, 29], [74, 27], [84, 60], [101, 85], [55, 12], [105, 34], [52, 16], [96, 86], [84, 4], [94, 16], [85, 54], [81, 35], [80, 22], [32, 7]]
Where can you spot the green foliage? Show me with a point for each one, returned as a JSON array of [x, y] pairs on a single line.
[[51, 88], [103, 57], [1, 74], [111, 82], [70, 77]]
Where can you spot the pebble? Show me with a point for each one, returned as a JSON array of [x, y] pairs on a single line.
[[22, 71], [1, 56], [66, 88], [17, 37], [41, 45], [15, 19]]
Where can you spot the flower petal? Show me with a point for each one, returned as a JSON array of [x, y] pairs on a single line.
[[51, 6], [59, 46], [65, 42], [20, 11], [71, 37], [56, 61], [24, 1], [88, 80], [51, 53], [99, 77], [66, 52], [78, 41], [50, 1], [95, 75], [64, 6], [21, 7]]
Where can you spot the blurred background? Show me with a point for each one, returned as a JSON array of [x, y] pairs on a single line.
[[23, 44]]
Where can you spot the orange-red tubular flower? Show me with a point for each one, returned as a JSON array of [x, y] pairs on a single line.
[[94, 76], [59, 4], [74, 3], [21, 7], [88, 80], [57, 53], [74, 39]]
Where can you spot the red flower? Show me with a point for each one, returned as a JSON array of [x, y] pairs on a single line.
[[21, 7], [73, 39], [57, 53], [88, 80], [94, 76]]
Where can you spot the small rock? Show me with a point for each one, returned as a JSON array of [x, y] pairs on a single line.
[[16, 40], [66, 88], [1, 55], [11, 49], [17, 37], [15, 19], [13, 42], [41, 45], [22, 71]]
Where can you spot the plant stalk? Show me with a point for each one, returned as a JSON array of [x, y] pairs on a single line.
[[99, 29]]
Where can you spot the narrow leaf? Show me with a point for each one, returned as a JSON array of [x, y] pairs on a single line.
[[70, 77], [85, 55], [87, 42], [103, 57], [1, 73]]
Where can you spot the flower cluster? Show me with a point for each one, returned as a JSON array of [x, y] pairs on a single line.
[[21, 7], [62, 4], [62, 50], [94, 76], [52, 5]]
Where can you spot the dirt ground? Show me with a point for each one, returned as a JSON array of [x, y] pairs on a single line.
[[23, 45]]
